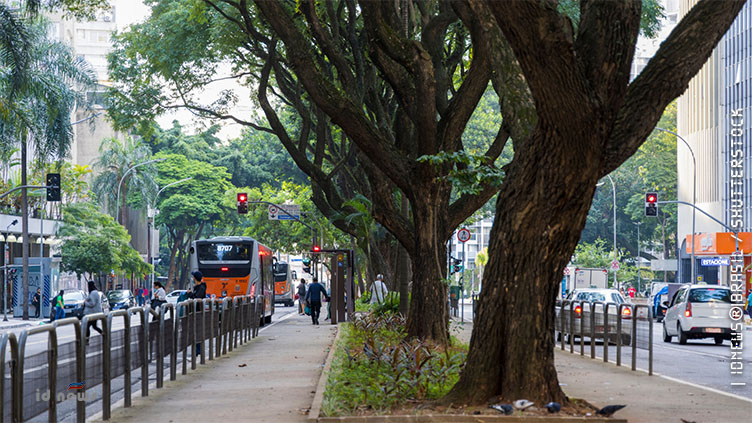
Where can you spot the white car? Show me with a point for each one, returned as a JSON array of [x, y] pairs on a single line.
[[173, 296], [698, 311]]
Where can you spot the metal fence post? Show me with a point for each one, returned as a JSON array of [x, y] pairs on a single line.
[[144, 312], [634, 339], [650, 341], [562, 319], [582, 327], [619, 314], [193, 335], [51, 370], [605, 331], [81, 405], [173, 339], [571, 324], [127, 349], [592, 327], [160, 348], [8, 337], [182, 312], [203, 331], [210, 340]]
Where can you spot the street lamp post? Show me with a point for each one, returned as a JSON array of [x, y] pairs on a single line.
[[148, 226], [694, 195], [613, 189], [639, 259], [117, 209], [5, 272]]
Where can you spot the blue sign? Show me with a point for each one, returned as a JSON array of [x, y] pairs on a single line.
[[717, 261]]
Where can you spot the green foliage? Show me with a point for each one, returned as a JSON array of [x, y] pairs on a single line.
[[650, 23], [375, 369], [390, 305], [94, 243], [652, 168]]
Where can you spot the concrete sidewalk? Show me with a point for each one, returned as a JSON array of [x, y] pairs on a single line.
[[649, 399], [272, 378]]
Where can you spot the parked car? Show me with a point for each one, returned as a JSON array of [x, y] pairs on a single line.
[[698, 311], [73, 303], [588, 295], [121, 299], [105, 302], [173, 296]]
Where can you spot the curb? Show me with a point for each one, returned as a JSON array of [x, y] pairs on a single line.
[[454, 418], [318, 398], [15, 326]]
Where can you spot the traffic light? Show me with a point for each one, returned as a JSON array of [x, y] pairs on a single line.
[[307, 265], [53, 187], [316, 249], [651, 204], [242, 203], [456, 265]]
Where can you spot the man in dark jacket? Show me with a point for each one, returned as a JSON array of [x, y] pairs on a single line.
[[313, 297], [36, 301]]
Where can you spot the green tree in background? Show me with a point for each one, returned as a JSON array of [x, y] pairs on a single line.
[[187, 209], [93, 244]]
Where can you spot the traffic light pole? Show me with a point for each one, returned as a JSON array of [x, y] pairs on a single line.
[[736, 232], [462, 285]]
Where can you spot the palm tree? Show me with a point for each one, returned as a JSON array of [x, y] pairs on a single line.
[[116, 157], [41, 84]]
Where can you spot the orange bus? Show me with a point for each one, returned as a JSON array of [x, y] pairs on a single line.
[[235, 265], [284, 289]]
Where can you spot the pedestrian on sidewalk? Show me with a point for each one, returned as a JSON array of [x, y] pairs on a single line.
[[159, 298], [198, 293], [378, 290], [301, 296], [36, 301], [92, 305], [140, 296], [59, 307], [313, 298]]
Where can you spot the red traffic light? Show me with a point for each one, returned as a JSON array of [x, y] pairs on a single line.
[[650, 198], [242, 197], [316, 249]]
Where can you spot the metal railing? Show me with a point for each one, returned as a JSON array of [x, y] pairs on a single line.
[[614, 325], [222, 325]]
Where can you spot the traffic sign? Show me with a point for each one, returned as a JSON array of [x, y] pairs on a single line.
[[566, 271], [291, 209], [615, 265], [463, 235]]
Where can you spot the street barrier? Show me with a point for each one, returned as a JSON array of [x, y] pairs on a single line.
[[614, 325], [74, 374]]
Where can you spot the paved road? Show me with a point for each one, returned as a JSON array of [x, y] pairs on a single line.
[[699, 361]]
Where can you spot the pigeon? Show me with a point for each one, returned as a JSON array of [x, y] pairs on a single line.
[[609, 410], [522, 404], [503, 408], [553, 407]]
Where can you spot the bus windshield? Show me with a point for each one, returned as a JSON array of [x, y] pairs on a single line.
[[280, 272], [223, 252]]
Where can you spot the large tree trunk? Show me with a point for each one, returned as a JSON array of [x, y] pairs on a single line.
[[529, 246], [428, 317]]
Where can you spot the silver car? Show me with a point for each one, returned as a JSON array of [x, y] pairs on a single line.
[[588, 295]]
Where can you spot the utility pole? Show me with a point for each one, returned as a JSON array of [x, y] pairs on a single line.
[[639, 259]]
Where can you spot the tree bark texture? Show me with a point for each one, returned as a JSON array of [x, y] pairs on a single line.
[[589, 119]]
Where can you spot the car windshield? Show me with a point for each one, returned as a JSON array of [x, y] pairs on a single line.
[[73, 296], [117, 295], [617, 298], [710, 295]]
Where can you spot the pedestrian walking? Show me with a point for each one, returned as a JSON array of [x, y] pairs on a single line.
[[198, 293], [378, 290], [59, 306], [749, 303], [92, 305], [140, 296], [36, 301], [301, 296], [313, 298]]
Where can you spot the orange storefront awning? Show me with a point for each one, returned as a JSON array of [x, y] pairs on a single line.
[[719, 243]]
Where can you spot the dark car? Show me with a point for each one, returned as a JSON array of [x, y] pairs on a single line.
[[121, 299], [73, 303]]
